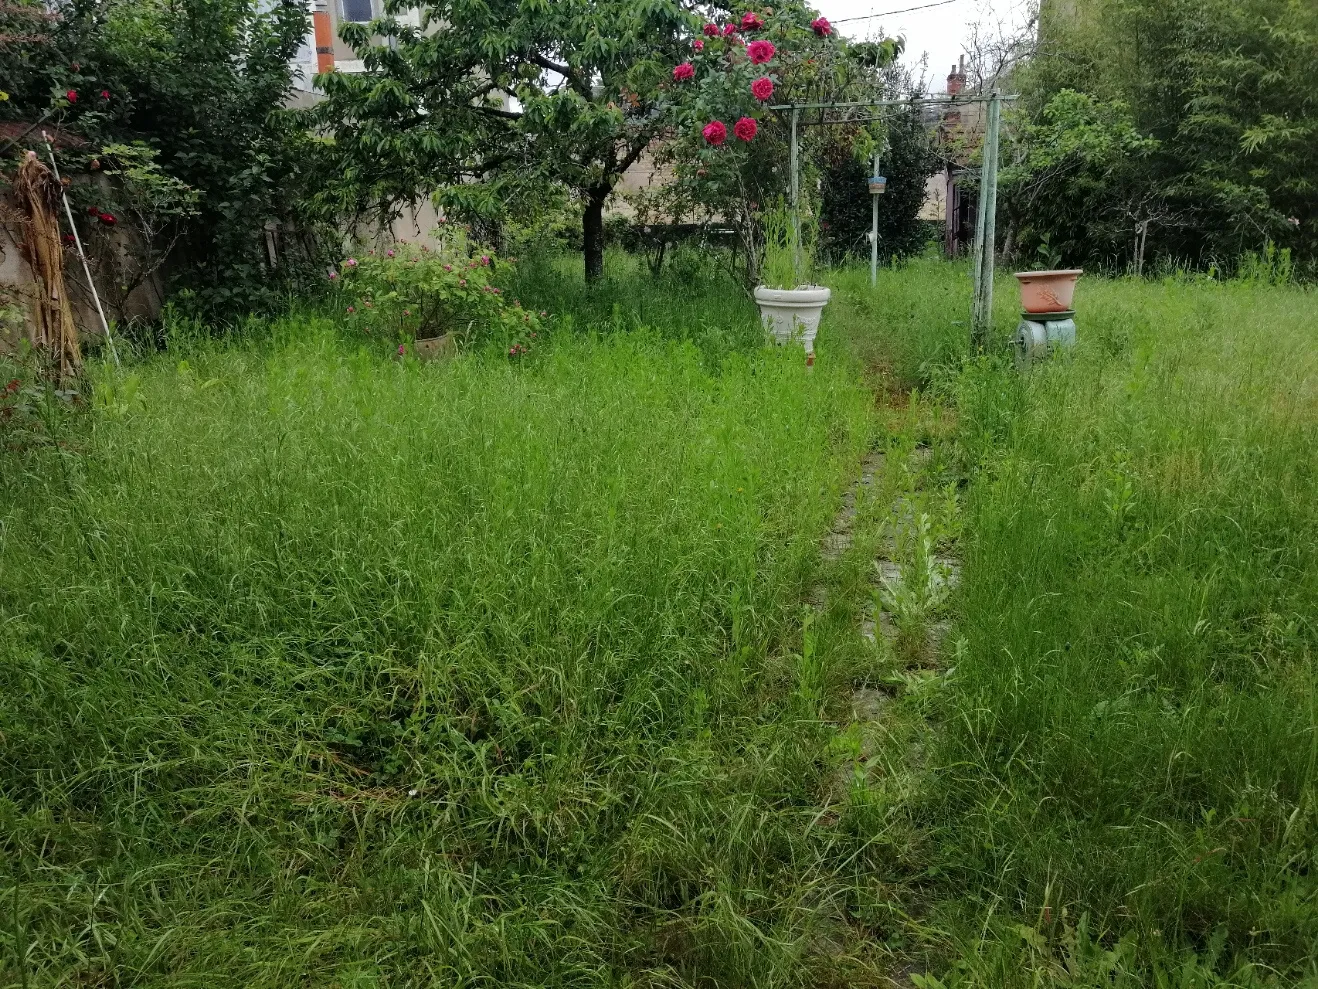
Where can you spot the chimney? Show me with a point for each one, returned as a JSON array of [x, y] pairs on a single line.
[[956, 80]]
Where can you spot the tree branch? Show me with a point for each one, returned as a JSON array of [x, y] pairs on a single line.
[[565, 71], [495, 111]]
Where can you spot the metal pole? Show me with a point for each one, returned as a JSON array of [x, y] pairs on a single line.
[[86, 269], [874, 229], [796, 201], [986, 232]]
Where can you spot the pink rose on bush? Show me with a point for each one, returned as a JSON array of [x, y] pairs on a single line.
[[760, 51], [711, 30], [821, 27], [750, 21], [700, 45], [716, 132], [762, 88], [746, 128], [683, 72], [71, 96], [729, 29]]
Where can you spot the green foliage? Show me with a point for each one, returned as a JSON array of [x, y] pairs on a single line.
[[202, 84], [1224, 88], [406, 292], [845, 214], [1079, 178], [430, 112]]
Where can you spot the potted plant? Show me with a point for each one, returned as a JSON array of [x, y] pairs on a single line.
[[790, 306], [1048, 291]]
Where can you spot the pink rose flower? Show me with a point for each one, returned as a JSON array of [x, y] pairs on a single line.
[[750, 21], [105, 94], [729, 29], [715, 132], [746, 128], [71, 96], [700, 45], [760, 51], [762, 88], [821, 27], [683, 72], [711, 30]]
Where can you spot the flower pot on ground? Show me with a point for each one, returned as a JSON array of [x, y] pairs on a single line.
[[432, 348], [1048, 291]]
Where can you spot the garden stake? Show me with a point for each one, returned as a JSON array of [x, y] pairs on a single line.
[[105, 325]]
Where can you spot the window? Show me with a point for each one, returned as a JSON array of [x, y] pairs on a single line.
[[356, 10]]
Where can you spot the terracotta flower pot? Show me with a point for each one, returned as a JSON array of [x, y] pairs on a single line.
[[1048, 291]]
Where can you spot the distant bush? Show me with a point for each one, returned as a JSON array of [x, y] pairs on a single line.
[[409, 292]]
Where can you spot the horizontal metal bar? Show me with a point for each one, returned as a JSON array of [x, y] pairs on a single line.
[[926, 101]]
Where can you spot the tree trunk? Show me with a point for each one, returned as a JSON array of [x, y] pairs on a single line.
[[592, 232]]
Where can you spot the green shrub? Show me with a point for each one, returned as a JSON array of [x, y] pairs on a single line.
[[406, 292]]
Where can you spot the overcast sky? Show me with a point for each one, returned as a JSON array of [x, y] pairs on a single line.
[[940, 31]]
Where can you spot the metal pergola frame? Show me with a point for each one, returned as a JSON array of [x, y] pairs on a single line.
[[981, 310]]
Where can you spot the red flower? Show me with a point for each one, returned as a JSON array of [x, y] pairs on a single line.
[[750, 21], [71, 96], [762, 88], [93, 211], [700, 45], [821, 27], [105, 94], [715, 132], [746, 128], [684, 72], [760, 51], [711, 30], [729, 29], [108, 219]]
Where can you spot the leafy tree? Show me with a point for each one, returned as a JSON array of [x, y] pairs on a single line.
[[1223, 88], [486, 98], [507, 92]]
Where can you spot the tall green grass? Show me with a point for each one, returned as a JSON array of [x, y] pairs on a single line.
[[318, 669], [1131, 731]]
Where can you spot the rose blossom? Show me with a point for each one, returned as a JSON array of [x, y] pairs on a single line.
[[750, 21], [716, 132], [821, 27], [746, 128], [683, 72], [700, 45], [711, 30], [760, 51], [762, 88]]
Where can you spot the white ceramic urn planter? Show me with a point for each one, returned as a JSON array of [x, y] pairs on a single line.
[[793, 313]]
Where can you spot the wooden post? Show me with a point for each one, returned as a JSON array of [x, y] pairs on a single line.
[[981, 320]]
